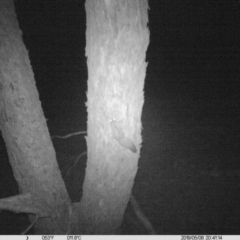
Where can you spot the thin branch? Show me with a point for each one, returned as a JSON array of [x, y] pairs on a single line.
[[69, 135], [75, 162], [143, 219], [31, 225]]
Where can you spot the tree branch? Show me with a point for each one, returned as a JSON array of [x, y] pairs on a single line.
[[22, 203], [69, 135]]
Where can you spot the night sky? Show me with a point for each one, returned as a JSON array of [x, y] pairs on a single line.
[[193, 51], [191, 112]]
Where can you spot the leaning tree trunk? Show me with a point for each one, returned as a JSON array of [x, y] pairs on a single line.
[[24, 129], [117, 39]]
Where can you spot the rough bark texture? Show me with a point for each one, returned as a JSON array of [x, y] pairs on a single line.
[[117, 40], [25, 132]]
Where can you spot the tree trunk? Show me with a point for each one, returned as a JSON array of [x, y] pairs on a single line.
[[24, 129], [117, 40]]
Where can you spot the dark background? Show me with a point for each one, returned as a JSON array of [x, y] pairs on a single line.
[[189, 170]]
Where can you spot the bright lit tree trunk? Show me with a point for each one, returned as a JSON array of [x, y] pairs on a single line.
[[117, 39]]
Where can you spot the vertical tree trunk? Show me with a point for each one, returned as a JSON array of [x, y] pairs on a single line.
[[117, 40], [24, 129]]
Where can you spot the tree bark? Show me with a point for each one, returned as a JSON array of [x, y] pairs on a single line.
[[24, 129], [117, 39]]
